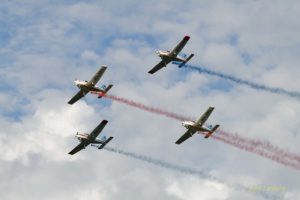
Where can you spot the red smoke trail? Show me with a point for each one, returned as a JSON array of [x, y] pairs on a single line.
[[261, 144], [271, 155], [147, 108], [267, 150]]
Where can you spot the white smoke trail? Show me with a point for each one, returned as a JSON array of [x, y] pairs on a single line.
[[189, 171]]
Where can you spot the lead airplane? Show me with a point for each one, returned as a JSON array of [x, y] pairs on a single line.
[[193, 127], [86, 139], [87, 86], [168, 56]]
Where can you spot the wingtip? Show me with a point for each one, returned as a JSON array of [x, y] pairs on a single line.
[[187, 37]]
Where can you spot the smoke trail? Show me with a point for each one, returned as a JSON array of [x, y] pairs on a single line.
[[186, 170], [274, 153], [270, 155], [275, 90], [261, 144], [147, 108]]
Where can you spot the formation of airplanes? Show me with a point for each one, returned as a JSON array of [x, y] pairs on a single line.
[[85, 87]]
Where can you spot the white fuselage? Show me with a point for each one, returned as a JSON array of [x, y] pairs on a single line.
[[82, 136], [169, 56], [192, 125], [85, 137], [86, 86]]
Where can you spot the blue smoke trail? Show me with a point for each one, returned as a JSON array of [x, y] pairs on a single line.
[[185, 170], [275, 90]]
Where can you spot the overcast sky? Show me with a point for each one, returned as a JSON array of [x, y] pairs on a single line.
[[46, 45]]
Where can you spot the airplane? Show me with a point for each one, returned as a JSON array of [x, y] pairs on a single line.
[[87, 86], [193, 127], [92, 138], [168, 56]]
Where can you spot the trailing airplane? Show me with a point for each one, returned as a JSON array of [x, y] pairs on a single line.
[[87, 86], [168, 56], [92, 138], [193, 127]]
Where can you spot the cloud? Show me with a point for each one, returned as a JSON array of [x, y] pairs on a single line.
[[49, 44], [199, 190]]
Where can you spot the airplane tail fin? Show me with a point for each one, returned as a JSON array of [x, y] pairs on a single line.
[[105, 91], [212, 131], [105, 143], [186, 60]]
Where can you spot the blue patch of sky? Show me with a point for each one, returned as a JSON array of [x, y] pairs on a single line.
[[70, 2], [106, 41], [219, 85], [5, 33], [233, 39], [181, 74], [6, 87], [17, 113], [247, 59], [92, 99]]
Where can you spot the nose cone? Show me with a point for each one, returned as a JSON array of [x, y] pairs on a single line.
[[77, 83]]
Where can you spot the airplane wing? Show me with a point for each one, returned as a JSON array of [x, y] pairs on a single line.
[[204, 117], [180, 46], [98, 129], [158, 67], [98, 75], [77, 148], [77, 96], [185, 136]]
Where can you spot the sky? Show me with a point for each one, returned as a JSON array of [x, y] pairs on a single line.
[[46, 45]]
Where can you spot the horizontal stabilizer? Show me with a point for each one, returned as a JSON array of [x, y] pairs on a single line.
[[105, 143], [186, 60], [212, 131], [101, 94]]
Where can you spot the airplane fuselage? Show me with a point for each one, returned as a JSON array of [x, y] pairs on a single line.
[[88, 138], [86, 86], [192, 126], [169, 56]]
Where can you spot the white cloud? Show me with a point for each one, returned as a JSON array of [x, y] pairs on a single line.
[[195, 189], [52, 44]]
